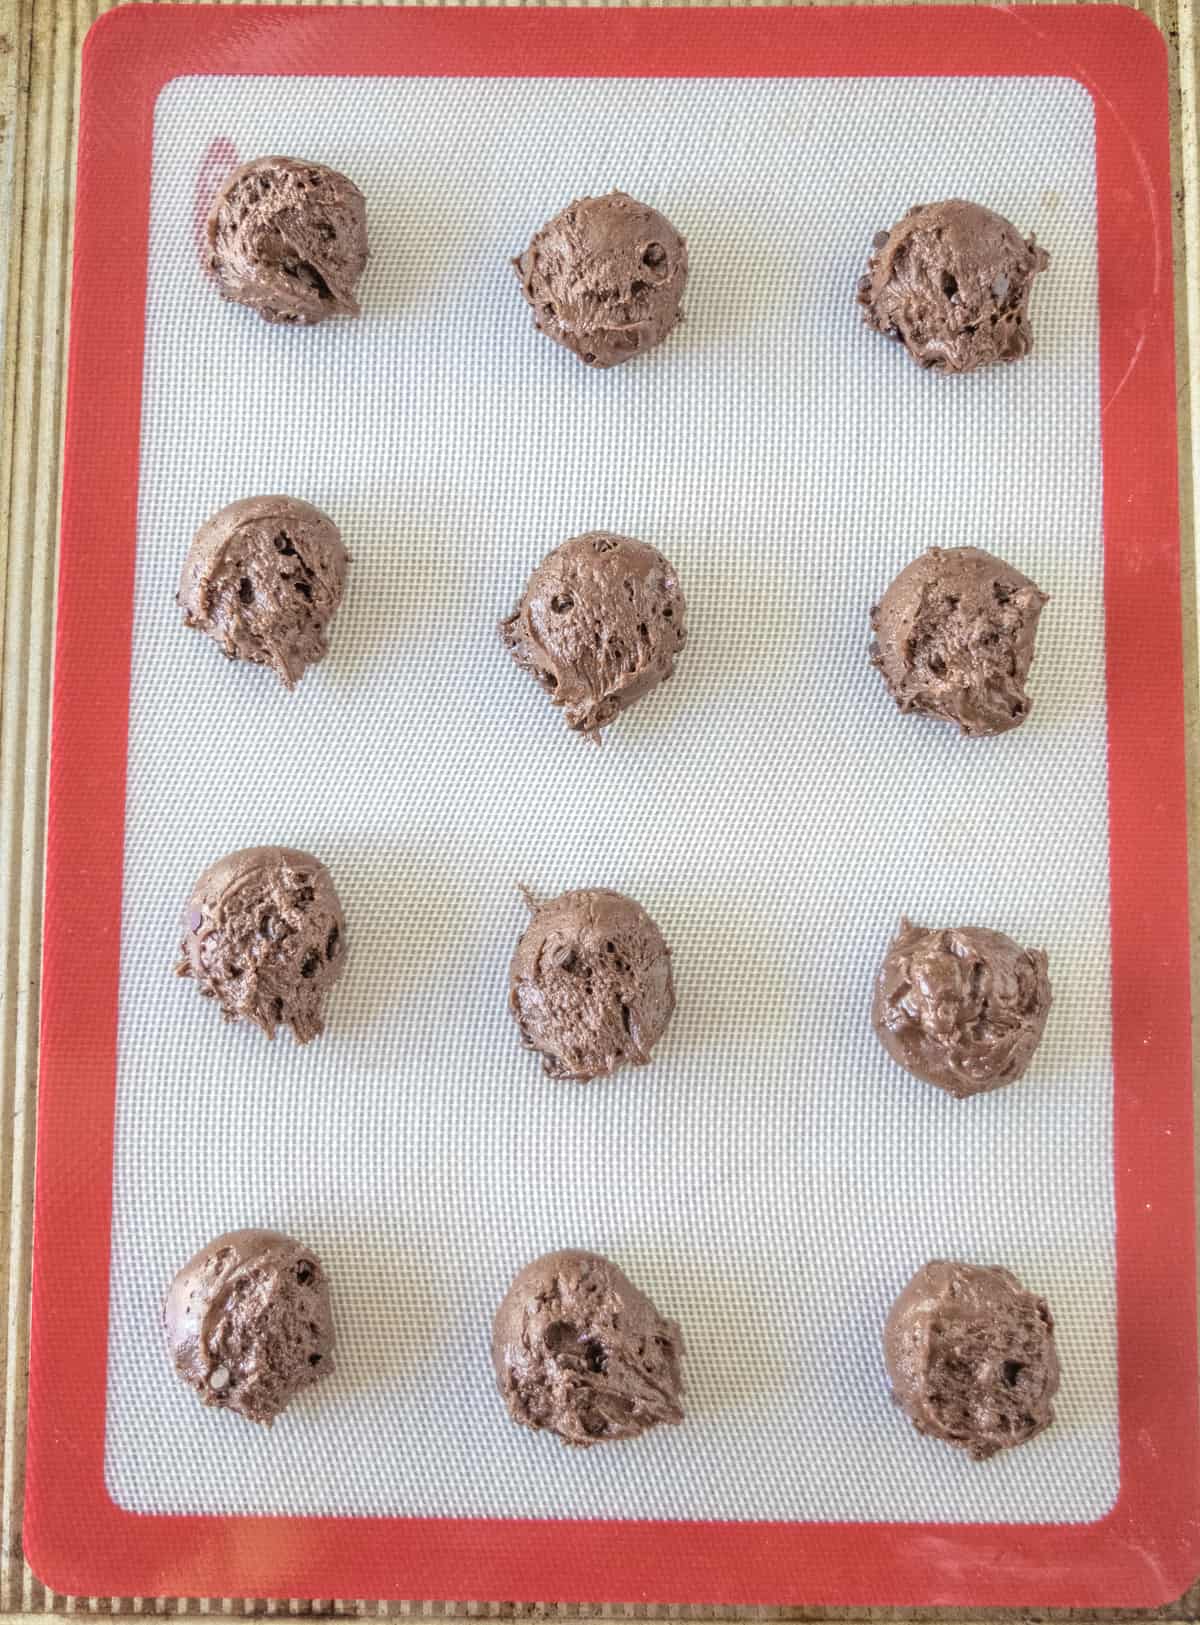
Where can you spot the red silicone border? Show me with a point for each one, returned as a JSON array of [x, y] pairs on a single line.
[[1147, 1549]]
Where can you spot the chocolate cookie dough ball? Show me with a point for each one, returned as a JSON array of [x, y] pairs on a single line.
[[954, 638], [590, 984], [248, 1323], [599, 625], [962, 1009], [952, 282], [264, 935], [578, 1350], [971, 1357], [289, 239], [264, 578], [605, 278]]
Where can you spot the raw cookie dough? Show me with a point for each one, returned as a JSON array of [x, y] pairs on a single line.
[[954, 638], [264, 578], [605, 278], [248, 1322], [952, 281], [590, 984], [289, 239], [963, 1009], [579, 1350], [264, 935], [599, 625], [971, 1357]]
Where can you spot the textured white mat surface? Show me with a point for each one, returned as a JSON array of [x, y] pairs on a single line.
[[772, 1180]]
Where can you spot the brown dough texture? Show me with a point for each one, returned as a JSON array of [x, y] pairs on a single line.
[[971, 1357], [579, 1351], [599, 625], [289, 239], [605, 278], [248, 1323], [264, 578], [954, 639], [590, 984], [264, 935], [951, 281], [964, 1009]]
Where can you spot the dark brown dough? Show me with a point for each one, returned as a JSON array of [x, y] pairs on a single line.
[[590, 984], [289, 239], [249, 1324], [963, 1009], [599, 625], [264, 935], [954, 639], [952, 282], [971, 1357], [264, 579], [605, 278], [579, 1351]]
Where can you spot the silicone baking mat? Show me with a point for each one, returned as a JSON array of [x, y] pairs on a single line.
[[770, 1179]]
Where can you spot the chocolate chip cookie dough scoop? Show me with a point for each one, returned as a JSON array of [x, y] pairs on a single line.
[[288, 239], [951, 281], [248, 1323], [590, 984], [971, 1357], [605, 278], [963, 1009], [263, 578], [955, 639], [264, 936], [599, 626], [579, 1351]]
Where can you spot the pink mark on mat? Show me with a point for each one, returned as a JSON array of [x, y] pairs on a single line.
[[218, 163]]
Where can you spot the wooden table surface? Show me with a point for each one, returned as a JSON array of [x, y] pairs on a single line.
[[39, 87]]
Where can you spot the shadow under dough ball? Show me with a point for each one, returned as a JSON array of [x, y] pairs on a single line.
[[264, 935], [605, 278], [590, 984], [599, 625], [954, 638], [951, 281], [248, 1323], [289, 240], [579, 1351], [264, 579], [962, 1009], [971, 1358]]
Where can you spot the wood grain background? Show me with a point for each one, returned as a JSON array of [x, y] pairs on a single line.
[[39, 87]]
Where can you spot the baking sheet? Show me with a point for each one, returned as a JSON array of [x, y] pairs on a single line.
[[772, 1180]]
